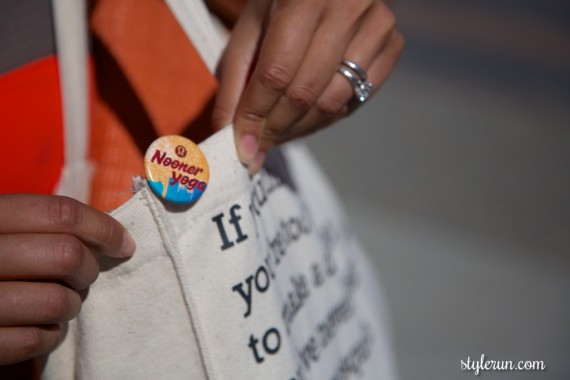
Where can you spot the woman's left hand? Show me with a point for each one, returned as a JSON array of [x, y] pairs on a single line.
[[278, 75]]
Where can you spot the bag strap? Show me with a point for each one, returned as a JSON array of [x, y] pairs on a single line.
[[200, 27], [71, 37]]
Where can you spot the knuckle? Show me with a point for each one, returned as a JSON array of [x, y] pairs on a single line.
[[57, 304], [30, 342], [63, 212], [275, 77], [330, 106], [110, 231], [67, 254], [252, 115], [302, 97]]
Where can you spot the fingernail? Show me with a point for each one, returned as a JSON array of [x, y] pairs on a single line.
[[128, 246], [247, 147], [257, 162]]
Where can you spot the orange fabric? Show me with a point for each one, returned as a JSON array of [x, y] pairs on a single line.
[[31, 157], [151, 82], [116, 157]]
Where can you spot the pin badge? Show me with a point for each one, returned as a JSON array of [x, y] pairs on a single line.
[[176, 169]]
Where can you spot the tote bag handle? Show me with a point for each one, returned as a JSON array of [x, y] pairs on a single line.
[[205, 32], [71, 38]]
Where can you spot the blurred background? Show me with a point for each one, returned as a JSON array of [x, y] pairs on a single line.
[[457, 179]]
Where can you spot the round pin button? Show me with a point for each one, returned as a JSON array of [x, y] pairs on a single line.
[[176, 169]]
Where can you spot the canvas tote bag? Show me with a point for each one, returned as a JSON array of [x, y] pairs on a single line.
[[261, 278]]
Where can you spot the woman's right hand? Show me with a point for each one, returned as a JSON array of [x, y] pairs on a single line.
[[47, 246]]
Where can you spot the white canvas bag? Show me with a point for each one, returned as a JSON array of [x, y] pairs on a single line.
[[261, 278]]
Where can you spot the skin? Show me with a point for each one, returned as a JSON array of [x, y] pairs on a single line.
[[47, 247], [278, 76]]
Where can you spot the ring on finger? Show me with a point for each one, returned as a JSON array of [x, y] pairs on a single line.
[[360, 87], [355, 68]]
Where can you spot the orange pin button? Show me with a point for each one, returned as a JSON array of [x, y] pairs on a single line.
[[176, 169]]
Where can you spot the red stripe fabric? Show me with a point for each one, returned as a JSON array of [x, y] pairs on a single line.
[[31, 153]]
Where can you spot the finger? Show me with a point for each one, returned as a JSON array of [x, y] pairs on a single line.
[[369, 43], [36, 303], [22, 343], [333, 103], [372, 36], [236, 63], [366, 43], [281, 54], [317, 70], [55, 214], [327, 49], [384, 64], [49, 257]]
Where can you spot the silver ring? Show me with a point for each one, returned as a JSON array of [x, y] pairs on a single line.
[[361, 87], [356, 68]]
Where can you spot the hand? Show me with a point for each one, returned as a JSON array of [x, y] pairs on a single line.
[[46, 256], [292, 49]]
